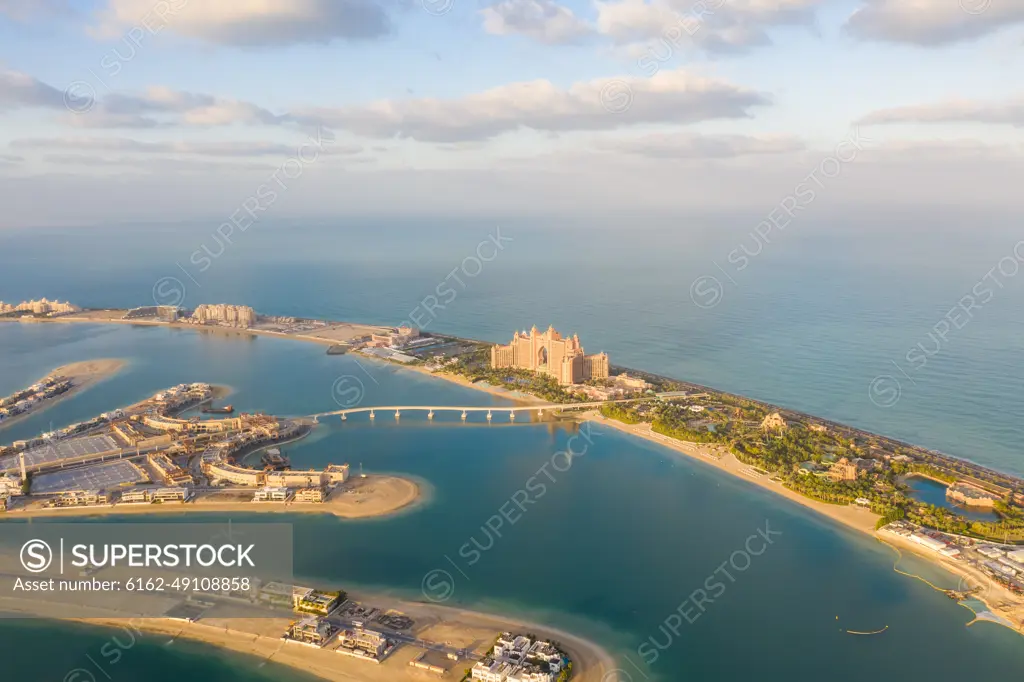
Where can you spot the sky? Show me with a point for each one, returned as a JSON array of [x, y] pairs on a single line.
[[164, 110]]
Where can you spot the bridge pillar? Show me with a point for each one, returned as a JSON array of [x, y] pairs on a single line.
[[463, 415], [397, 414], [344, 416], [511, 416], [372, 415], [316, 420], [488, 415]]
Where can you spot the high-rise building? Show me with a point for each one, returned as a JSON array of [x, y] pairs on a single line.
[[221, 313], [549, 353], [40, 307]]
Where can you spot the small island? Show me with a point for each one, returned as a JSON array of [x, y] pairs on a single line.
[[145, 459], [59, 384], [858, 478]]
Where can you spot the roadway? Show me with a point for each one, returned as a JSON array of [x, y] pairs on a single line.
[[465, 410]]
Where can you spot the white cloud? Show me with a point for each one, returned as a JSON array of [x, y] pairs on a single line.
[[131, 146], [542, 20], [933, 22], [252, 23], [161, 106], [696, 146], [715, 26], [1006, 112], [19, 90], [603, 104]]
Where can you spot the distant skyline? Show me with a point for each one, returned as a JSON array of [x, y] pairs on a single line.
[[164, 110]]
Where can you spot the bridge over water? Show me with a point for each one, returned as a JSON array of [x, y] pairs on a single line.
[[465, 411]]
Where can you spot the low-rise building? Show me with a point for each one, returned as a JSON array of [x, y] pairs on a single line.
[[971, 495], [843, 470], [172, 494], [314, 601], [312, 630], [81, 498], [928, 541], [271, 494], [314, 495], [170, 472], [136, 496], [370, 642], [10, 486]]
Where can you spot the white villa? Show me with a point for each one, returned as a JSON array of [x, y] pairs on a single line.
[[517, 658]]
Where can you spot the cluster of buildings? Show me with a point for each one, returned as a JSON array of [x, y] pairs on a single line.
[[548, 353], [932, 540], [844, 469], [179, 397], [241, 316], [227, 472], [40, 307], [1003, 562], [401, 337], [155, 495], [517, 658], [25, 400], [10, 486], [614, 388]]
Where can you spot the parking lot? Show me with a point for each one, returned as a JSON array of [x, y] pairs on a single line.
[[95, 477], [65, 449]]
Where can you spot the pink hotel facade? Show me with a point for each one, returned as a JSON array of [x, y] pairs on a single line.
[[549, 353]]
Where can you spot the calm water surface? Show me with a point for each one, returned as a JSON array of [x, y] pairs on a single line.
[[612, 548]]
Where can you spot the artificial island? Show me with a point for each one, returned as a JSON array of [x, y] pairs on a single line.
[[864, 480]]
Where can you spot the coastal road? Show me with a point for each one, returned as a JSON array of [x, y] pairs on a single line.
[[403, 638]]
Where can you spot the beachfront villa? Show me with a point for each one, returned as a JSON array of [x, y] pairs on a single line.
[[517, 658], [549, 353], [312, 630]]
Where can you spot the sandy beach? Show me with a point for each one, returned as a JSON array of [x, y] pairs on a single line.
[[719, 457], [997, 598], [358, 498], [333, 334], [82, 375], [497, 391], [261, 638]]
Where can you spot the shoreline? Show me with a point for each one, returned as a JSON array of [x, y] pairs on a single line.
[[858, 518], [308, 338], [83, 375], [387, 495], [999, 600], [260, 637]]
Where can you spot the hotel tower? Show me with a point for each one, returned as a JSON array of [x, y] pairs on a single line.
[[549, 353]]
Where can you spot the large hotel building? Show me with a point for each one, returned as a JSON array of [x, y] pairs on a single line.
[[549, 353]]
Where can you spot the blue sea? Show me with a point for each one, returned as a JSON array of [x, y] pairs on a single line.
[[619, 541]]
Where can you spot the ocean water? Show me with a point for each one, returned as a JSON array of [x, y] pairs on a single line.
[[610, 549], [849, 320]]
